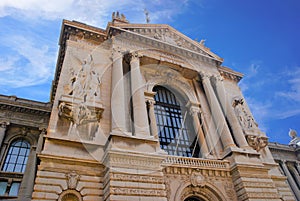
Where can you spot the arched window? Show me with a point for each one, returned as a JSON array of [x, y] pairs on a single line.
[[176, 135], [193, 199], [17, 156]]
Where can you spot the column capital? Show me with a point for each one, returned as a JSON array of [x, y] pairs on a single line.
[[43, 131], [151, 102], [205, 76], [117, 52], [218, 78], [194, 110], [134, 57], [4, 124]]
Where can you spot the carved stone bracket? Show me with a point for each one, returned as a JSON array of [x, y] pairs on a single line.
[[72, 179], [79, 112], [257, 142]]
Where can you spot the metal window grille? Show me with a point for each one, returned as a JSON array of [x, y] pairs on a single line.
[[176, 135]]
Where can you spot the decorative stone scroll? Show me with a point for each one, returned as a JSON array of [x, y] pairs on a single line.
[[79, 112], [257, 142]]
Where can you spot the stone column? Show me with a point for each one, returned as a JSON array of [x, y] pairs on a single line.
[[290, 179], [237, 130], [298, 167], [3, 127], [117, 97], [140, 117], [199, 132], [295, 172], [217, 113], [153, 125]]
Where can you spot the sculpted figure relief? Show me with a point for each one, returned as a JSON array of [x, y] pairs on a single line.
[[81, 104], [86, 82], [245, 119]]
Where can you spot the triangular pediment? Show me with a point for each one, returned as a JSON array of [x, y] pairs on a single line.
[[169, 35]]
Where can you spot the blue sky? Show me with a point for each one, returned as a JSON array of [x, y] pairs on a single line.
[[257, 38]]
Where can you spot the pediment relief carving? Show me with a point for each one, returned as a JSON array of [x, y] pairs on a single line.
[[167, 35]]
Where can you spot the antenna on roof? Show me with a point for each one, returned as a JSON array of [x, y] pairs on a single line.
[[147, 15]]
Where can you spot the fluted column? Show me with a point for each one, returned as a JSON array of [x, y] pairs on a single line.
[[153, 125], [295, 173], [290, 180], [194, 111], [3, 127], [228, 111], [118, 97], [217, 113], [298, 167], [140, 117]]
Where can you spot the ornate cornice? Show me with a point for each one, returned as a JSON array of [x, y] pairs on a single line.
[[15, 104], [230, 74]]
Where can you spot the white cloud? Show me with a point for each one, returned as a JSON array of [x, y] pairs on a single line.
[[94, 12], [293, 91], [260, 110], [30, 58], [26, 64]]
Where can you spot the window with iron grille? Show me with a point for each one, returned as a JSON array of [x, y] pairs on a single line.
[[175, 130]]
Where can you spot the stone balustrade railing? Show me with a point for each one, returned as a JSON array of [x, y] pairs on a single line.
[[195, 162]]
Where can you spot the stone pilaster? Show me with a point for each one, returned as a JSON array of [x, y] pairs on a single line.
[[3, 127], [229, 113], [217, 113], [27, 184], [194, 111], [40, 143], [118, 97], [141, 126], [290, 179]]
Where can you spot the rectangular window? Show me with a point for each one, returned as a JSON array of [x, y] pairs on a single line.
[[14, 189], [3, 186]]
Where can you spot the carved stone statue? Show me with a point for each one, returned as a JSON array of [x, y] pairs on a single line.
[[246, 120]]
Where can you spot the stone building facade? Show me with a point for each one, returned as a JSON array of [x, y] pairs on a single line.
[[288, 159], [138, 112]]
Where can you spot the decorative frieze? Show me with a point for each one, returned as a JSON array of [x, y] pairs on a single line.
[[137, 192]]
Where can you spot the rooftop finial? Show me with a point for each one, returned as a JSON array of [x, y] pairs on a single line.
[[118, 18], [147, 16], [293, 133]]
